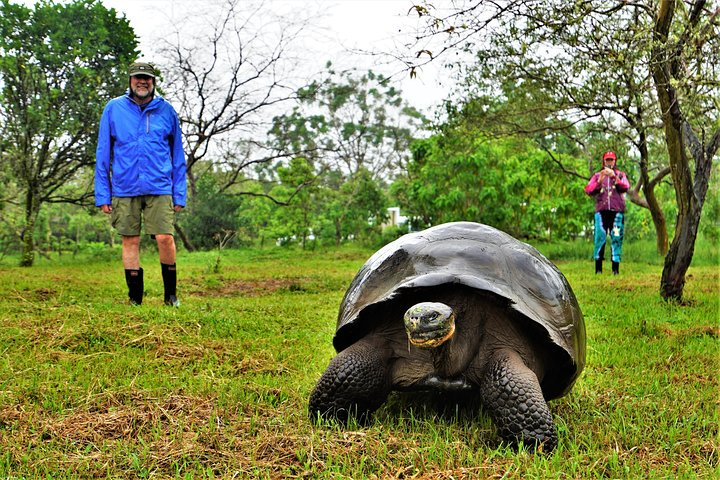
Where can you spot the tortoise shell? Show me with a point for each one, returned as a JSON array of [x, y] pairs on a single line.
[[482, 258]]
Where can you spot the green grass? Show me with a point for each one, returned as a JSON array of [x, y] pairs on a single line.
[[91, 387]]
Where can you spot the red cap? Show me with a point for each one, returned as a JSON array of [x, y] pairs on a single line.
[[609, 154]]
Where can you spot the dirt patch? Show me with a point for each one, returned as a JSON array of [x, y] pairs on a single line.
[[249, 288], [699, 331]]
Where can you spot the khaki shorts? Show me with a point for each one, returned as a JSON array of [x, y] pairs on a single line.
[[156, 211]]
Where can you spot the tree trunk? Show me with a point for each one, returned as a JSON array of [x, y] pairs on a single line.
[[184, 238], [689, 195], [192, 182], [28, 253], [678, 258], [658, 219], [28, 237], [649, 200], [656, 213], [338, 231]]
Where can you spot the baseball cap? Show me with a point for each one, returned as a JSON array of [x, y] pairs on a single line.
[[609, 154], [141, 68]]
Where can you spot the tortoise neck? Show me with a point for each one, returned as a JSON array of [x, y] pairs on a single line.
[[444, 360], [453, 357]]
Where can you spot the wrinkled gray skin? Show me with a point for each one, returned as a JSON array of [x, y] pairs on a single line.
[[518, 339]]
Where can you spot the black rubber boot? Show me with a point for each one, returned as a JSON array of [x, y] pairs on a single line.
[[136, 286], [598, 266], [616, 268], [169, 275]]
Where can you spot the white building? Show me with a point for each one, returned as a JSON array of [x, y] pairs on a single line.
[[395, 218]]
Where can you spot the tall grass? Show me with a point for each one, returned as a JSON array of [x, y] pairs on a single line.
[[91, 387], [707, 252]]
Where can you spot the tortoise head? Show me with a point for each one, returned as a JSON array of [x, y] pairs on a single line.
[[429, 324]]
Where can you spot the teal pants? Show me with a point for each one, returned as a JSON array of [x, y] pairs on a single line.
[[612, 223]]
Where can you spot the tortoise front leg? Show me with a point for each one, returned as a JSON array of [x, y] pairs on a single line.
[[355, 384], [512, 396]]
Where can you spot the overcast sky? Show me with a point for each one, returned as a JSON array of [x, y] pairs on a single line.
[[370, 25]]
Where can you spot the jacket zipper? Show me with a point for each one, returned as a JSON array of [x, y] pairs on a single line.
[[607, 187]]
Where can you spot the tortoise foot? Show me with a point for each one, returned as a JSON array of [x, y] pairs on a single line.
[[354, 385], [511, 394]]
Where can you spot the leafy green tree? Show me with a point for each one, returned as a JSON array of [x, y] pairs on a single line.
[[354, 207], [353, 122], [214, 222], [355, 131], [298, 219], [502, 182], [503, 111], [59, 64], [632, 63], [331, 207], [592, 77]]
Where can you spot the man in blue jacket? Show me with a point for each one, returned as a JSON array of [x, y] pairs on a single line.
[[140, 176]]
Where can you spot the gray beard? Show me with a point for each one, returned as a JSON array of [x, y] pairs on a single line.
[[151, 92]]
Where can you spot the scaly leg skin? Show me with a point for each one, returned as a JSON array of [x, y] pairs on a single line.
[[512, 396], [355, 384]]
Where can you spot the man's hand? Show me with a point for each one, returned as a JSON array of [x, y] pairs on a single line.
[[106, 208], [178, 208]]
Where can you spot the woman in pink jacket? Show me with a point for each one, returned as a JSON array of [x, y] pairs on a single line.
[[608, 186]]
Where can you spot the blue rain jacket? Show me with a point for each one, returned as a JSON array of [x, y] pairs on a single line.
[[139, 152]]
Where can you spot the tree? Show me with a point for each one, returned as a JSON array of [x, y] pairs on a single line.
[[58, 66], [598, 123], [355, 130], [678, 59], [230, 76], [214, 221], [353, 122], [299, 218], [606, 65], [507, 183], [355, 207]]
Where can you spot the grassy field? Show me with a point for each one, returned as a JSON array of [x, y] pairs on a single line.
[[92, 387]]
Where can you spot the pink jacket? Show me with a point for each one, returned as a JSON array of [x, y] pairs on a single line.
[[610, 193]]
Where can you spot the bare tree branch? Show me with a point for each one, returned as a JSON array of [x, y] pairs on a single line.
[[232, 77]]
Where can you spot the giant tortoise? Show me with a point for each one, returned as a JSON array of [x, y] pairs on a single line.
[[457, 307]]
